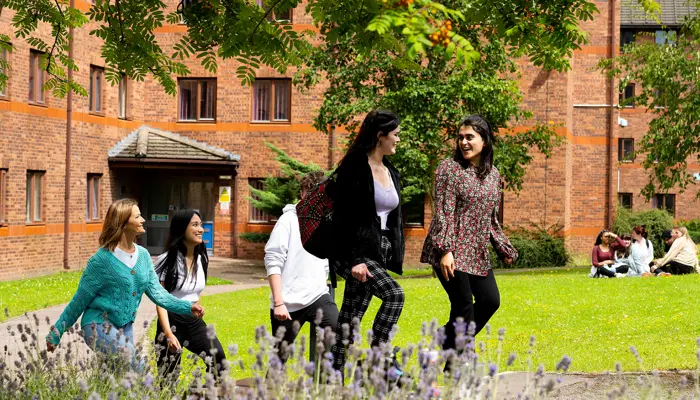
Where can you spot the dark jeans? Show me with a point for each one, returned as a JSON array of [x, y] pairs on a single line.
[[191, 332], [675, 268], [307, 314], [609, 272], [460, 290]]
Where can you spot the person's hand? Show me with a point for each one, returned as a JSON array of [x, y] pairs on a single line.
[[173, 343], [608, 262], [50, 347], [611, 235], [508, 260], [197, 310], [360, 272], [447, 265], [281, 314]]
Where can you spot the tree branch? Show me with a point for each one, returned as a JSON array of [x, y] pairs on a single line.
[[267, 13], [121, 25], [55, 41]]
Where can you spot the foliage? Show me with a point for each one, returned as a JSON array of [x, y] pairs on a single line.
[[546, 31], [430, 96], [667, 81], [693, 226], [278, 191], [537, 248], [655, 221], [255, 237]]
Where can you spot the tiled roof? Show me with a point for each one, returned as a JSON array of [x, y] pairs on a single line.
[[673, 13], [147, 142]]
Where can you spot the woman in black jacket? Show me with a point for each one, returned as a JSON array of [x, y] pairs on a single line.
[[369, 229]]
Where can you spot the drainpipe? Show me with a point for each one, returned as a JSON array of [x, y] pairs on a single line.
[[331, 148], [69, 123], [611, 117]]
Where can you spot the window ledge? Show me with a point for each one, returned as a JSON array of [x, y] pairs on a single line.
[[271, 122], [35, 224], [4, 97], [196, 121], [94, 221], [97, 113], [35, 104]]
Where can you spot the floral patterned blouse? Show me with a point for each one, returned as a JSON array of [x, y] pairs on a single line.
[[465, 219]]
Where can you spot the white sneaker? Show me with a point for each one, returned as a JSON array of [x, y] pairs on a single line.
[[618, 275]]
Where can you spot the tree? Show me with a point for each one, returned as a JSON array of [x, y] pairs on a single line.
[[546, 31], [279, 191], [669, 76]]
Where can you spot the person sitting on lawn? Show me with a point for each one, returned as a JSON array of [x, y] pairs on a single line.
[[667, 238], [640, 252], [621, 255], [602, 256], [681, 259], [297, 278]]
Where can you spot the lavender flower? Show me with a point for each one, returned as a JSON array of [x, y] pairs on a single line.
[[511, 359], [83, 385], [233, 350], [564, 364], [211, 332], [493, 369]]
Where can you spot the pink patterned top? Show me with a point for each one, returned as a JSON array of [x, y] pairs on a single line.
[[465, 219]]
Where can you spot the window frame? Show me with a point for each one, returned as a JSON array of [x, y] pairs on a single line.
[[95, 72], [31, 198], [3, 196], [273, 92], [198, 94], [621, 195], [621, 156], [93, 202], [122, 97], [624, 96], [406, 206], [35, 71], [273, 15], [660, 201], [258, 183], [4, 56]]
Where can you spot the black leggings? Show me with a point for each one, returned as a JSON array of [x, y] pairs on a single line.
[[460, 289], [610, 273], [191, 332], [675, 268]]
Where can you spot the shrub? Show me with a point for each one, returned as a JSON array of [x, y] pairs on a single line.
[[693, 226], [255, 237], [537, 248], [655, 221]]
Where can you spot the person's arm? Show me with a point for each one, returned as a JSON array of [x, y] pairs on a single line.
[[91, 283], [499, 240], [276, 250], [162, 298], [672, 253], [442, 230]]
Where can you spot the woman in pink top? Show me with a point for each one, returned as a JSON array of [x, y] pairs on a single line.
[[603, 255]]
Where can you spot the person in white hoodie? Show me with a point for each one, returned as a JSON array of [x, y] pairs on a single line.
[[297, 278]]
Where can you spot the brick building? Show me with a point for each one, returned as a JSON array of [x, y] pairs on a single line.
[[206, 145]]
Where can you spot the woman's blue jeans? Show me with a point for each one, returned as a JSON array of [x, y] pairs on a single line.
[[110, 339]]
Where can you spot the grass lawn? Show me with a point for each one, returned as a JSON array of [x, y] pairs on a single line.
[[594, 321], [36, 293]]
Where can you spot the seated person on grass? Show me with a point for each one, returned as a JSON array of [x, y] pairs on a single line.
[[682, 257], [602, 256]]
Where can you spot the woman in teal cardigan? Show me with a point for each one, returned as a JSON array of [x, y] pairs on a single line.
[[111, 287]]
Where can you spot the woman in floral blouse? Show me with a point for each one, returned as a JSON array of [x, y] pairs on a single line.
[[467, 194]]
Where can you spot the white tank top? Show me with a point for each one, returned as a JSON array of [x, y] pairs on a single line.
[[386, 200]]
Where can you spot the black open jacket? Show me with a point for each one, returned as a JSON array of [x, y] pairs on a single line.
[[357, 226]]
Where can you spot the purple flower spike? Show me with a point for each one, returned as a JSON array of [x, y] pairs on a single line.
[[493, 369]]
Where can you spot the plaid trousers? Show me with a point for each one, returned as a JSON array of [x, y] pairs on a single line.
[[358, 296]]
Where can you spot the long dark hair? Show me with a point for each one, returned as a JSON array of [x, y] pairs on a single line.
[[377, 121], [599, 238], [175, 245], [483, 128]]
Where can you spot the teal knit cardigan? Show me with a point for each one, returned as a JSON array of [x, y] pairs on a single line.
[[110, 289]]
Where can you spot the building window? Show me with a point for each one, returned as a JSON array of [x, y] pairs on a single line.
[[93, 197], [665, 37], [414, 211], [181, 9], [34, 196], [259, 216], [3, 196], [121, 111], [625, 200], [97, 75], [3, 70], [625, 149], [272, 100], [279, 16], [36, 77], [627, 95], [627, 36], [665, 202], [197, 99]]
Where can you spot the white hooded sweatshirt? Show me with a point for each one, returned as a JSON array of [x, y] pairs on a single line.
[[303, 275]]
